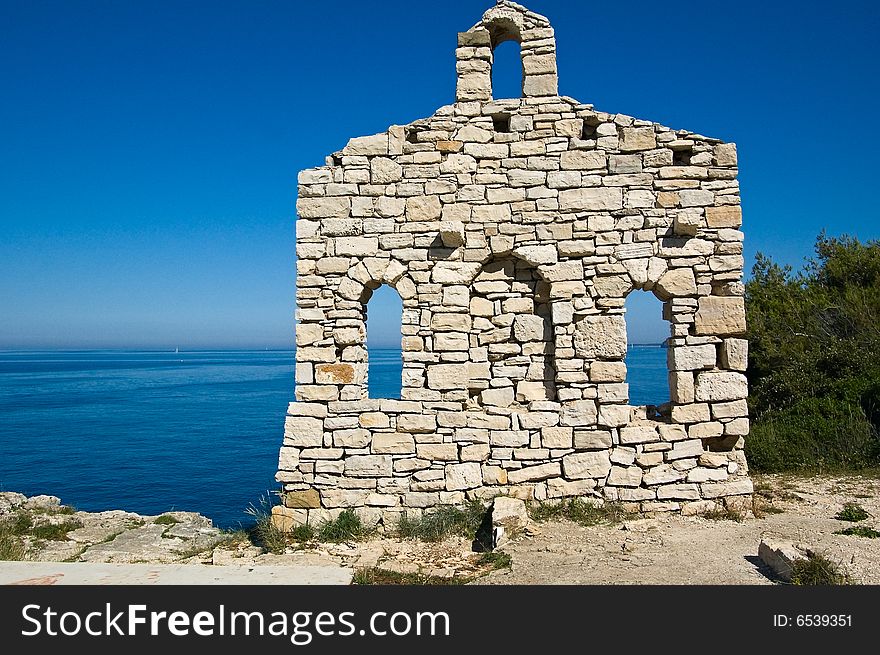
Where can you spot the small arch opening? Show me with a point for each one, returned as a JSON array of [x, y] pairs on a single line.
[[507, 70], [646, 364], [384, 356]]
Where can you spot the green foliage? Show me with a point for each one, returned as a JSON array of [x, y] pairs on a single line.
[[376, 576], [817, 570], [496, 560], [12, 528], [443, 522], [166, 519], [55, 531], [263, 532], [578, 511], [345, 527], [860, 531], [814, 360], [852, 512]]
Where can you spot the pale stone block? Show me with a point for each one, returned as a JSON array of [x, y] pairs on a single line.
[[586, 465], [720, 386]]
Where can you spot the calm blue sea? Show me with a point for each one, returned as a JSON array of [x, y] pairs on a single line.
[[149, 432]]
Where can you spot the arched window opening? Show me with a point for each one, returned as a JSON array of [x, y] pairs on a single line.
[[384, 358], [507, 71], [512, 354], [646, 367]]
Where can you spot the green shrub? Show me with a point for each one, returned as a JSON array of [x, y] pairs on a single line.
[[817, 570], [166, 519], [55, 531], [860, 531], [444, 521], [345, 527], [852, 512], [578, 511]]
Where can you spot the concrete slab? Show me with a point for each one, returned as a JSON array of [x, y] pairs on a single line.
[[88, 573]]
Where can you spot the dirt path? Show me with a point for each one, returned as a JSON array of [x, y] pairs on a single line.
[[696, 550]]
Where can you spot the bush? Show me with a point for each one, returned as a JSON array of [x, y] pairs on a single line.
[[814, 360], [817, 570], [578, 511], [345, 527], [443, 522], [852, 512]]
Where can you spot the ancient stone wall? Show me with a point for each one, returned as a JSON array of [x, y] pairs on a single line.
[[513, 230]]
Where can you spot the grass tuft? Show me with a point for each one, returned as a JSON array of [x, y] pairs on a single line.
[[496, 560], [852, 512], [724, 514], [442, 522], [579, 511], [817, 570], [377, 576], [860, 531], [55, 531], [166, 519], [345, 527]]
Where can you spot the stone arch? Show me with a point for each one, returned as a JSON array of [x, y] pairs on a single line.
[[512, 346]]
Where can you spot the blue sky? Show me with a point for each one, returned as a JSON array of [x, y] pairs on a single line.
[[150, 149]]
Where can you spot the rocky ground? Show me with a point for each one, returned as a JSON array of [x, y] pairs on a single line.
[[641, 550]]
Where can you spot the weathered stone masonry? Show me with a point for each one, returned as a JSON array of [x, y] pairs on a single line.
[[513, 231]]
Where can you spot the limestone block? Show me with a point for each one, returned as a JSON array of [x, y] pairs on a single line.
[[592, 439], [735, 354], [308, 333], [684, 449], [417, 423], [474, 86], [612, 286], [532, 391], [693, 413], [337, 207], [502, 397], [451, 322], [637, 138], [463, 476], [591, 199], [731, 488], [494, 475], [286, 519], [307, 499], [691, 358], [676, 283], [725, 154], [356, 246], [529, 327], [303, 431], [663, 474], [452, 233], [534, 473], [586, 465], [582, 160], [780, 556], [444, 452], [682, 491], [475, 453], [636, 434], [352, 438], [445, 377], [374, 420], [368, 466], [578, 413], [334, 374], [600, 337], [393, 443], [629, 476], [681, 387], [537, 255], [423, 208], [695, 198], [384, 170], [540, 85], [607, 372], [376, 144], [726, 216], [705, 430], [556, 437], [715, 386]]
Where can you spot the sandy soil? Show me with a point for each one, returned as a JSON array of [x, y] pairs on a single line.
[[696, 550]]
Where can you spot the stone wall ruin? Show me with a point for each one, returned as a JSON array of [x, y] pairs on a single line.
[[513, 230]]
